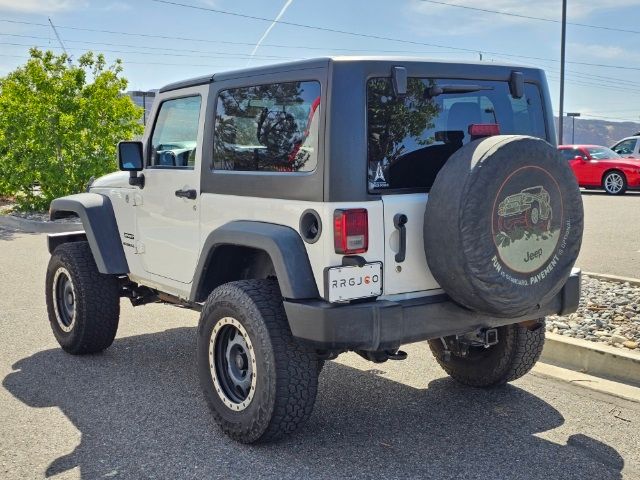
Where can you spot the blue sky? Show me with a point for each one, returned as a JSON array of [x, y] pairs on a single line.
[[227, 42]]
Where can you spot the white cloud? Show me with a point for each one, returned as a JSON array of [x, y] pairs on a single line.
[[41, 6]]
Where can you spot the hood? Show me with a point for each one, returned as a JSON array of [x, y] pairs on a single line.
[[112, 180]]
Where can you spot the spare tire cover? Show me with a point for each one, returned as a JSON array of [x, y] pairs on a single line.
[[503, 225]]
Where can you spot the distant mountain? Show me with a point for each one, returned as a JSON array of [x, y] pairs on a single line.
[[597, 132]]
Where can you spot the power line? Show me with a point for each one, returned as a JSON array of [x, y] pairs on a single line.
[[529, 17], [377, 37], [474, 51], [206, 52], [232, 43], [208, 65], [226, 55]]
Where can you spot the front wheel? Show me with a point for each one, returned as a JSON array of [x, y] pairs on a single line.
[[517, 351], [259, 382], [83, 304], [614, 183]]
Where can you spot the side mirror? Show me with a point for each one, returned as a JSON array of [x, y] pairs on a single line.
[[130, 160], [130, 156], [579, 158]]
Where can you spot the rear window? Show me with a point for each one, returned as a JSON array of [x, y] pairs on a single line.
[[411, 138]]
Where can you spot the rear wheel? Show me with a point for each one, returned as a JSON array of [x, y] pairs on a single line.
[[614, 183], [517, 351], [260, 383], [83, 304]]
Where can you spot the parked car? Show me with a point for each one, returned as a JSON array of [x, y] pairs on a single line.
[[601, 167], [628, 147]]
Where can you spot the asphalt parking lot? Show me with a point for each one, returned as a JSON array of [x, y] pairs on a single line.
[[611, 241], [136, 411]]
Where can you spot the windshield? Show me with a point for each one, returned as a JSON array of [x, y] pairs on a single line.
[[600, 153], [409, 139]]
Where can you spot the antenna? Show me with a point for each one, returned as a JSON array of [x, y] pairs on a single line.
[[64, 49]]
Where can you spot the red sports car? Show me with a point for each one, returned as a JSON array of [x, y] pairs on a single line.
[[600, 167]]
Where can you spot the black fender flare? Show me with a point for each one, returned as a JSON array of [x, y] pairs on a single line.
[[283, 245], [99, 222]]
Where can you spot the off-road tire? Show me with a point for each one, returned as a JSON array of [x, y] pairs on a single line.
[[622, 176], [97, 300], [286, 371], [517, 351]]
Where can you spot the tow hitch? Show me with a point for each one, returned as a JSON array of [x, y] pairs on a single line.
[[459, 345]]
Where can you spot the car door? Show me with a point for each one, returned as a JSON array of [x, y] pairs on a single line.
[[585, 168], [168, 205], [627, 147]]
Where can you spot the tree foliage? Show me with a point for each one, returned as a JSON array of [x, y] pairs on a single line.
[[60, 124]]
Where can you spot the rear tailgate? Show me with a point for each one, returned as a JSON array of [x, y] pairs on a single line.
[[411, 274]]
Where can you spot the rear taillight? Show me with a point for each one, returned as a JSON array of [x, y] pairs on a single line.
[[351, 231]]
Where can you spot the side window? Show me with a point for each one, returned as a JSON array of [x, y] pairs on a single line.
[[175, 133], [268, 128], [625, 147]]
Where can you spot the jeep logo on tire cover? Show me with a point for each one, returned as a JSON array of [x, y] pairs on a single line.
[[525, 229]]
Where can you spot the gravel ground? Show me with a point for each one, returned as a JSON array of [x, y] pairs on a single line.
[[609, 313]]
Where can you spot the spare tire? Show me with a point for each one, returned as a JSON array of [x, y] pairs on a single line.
[[503, 225]]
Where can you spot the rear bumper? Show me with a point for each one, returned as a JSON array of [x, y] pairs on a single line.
[[380, 325]]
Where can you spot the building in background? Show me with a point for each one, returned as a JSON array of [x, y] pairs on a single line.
[[143, 99]]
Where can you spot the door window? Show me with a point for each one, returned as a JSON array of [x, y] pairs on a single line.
[[175, 134], [625, 147]]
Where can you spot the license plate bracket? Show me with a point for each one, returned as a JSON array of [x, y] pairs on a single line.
[[346, 283]]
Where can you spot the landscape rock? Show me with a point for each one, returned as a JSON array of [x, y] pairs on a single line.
[[609, 312]]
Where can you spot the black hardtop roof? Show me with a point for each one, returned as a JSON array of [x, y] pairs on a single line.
[[323, 62]]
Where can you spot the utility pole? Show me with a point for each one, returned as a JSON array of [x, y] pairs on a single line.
[[64, 49], [573, 116], [562, 47]]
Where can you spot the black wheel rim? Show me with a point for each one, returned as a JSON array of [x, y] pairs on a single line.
[[64, 300], [232, 363]]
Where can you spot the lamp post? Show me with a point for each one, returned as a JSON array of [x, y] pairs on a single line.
[[144, 94], [564, 36], [573, 116]]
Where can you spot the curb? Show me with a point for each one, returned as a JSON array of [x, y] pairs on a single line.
[[613, 278], [35, 226], [587, 357], [582, 380]]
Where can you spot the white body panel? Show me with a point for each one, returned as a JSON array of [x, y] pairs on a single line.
[[167, 233], [171, 245], [216, 210], [412, 275]]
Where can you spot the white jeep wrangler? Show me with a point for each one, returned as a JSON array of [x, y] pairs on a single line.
[[323, 206]]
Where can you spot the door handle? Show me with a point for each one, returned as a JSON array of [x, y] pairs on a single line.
[[190, 194], [399, 221]]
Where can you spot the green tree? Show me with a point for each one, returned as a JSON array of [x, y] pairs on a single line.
[[60, 123]]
